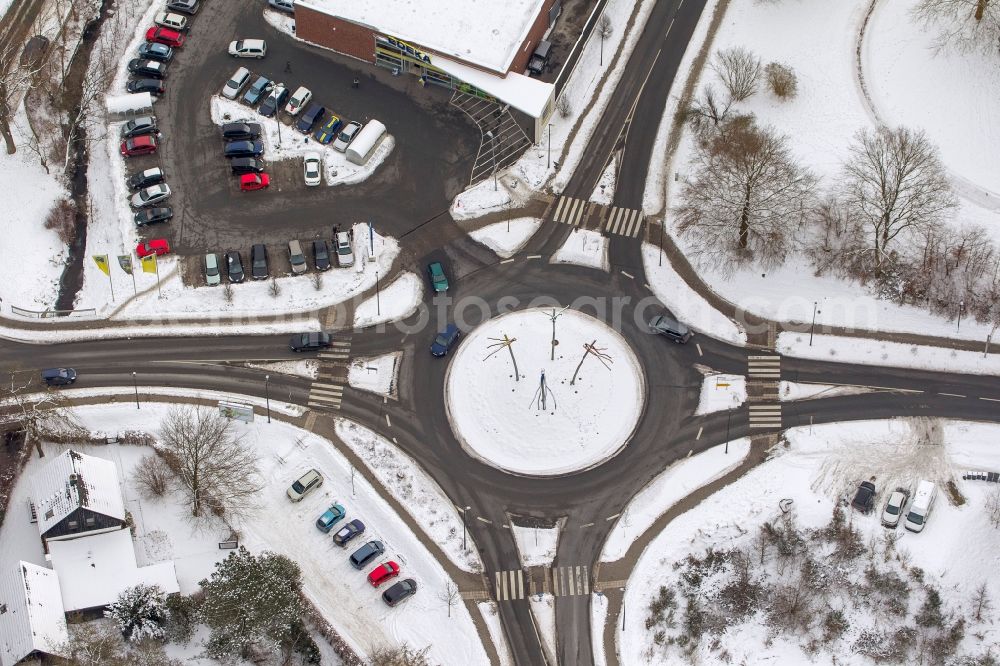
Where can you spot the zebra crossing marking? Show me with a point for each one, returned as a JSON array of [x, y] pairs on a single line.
[[624, 222], [510, 585], [568, 581], [765, 416], [327, 390], [571, 211], [764, 367]]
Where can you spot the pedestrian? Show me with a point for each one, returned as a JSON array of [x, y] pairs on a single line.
[[288, 66], [356, 83], [350, 233], [336, 229]]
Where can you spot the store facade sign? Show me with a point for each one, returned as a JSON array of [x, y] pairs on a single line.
[[404, 48]]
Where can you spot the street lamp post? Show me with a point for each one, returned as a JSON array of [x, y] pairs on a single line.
[[623, 609], [548, 165], [378, 299], [660, 241], [463, 526], [729, 418], [135, 385], [267, 395], [961, 306], [813, 327]]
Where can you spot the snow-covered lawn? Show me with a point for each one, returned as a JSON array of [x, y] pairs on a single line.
[[599, 615], [584, 247], [721, 392], [956, 552], [507, 239], [543, 607], [488, 196], [498, 417], [397, 300], [491, 615], [376, 374], [418, 492], [308, 368], [536, 545], [604, 191], [670, 486], [792, 391]]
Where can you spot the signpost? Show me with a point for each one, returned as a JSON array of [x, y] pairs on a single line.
[[236, 410]]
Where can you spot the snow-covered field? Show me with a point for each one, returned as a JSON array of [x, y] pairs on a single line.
[[491, 615], [536, 545], [498, 417], [507, 239], [584, 247], [721, 392], [397, 300], [376, 374]]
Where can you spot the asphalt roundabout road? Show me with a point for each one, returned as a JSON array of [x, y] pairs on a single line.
[[526, 406]]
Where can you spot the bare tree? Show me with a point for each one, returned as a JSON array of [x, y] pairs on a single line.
[[227, 292], [317, 281], [564, 107], [15, 77], [604, 29], [746, 196], [981, 602], [213, 466], [894, 183], [41, 413], [403, 655], [152, 476], [274, 289], [708, 110], [782, 80], [967, 25], [739, 70], [450, 595], [993, 506]]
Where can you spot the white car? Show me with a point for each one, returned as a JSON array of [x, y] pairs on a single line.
[[893, 509], [248, 48], [346, 136], [345, 253], [305, 484], [171, 21], [298, 100], [236, 83], [150, 196], [312, 169]]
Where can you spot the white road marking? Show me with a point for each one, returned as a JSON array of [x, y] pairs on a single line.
[[628, 275], [698, 347], [387, 421], [698, 436]]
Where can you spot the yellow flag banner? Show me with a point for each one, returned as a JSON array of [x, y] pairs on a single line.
[[149, 264], [102, 262]]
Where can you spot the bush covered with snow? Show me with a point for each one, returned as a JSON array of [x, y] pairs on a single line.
[[140, 612]]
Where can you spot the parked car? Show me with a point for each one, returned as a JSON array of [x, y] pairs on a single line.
[[345, 253], [138, 145], [328, 130], [298, 100], [312, 169], [257, 90], [150, 69], [156, 51], [241, 165], [296, 257], [351, 530], [212, 274], [234, 267], [189, 7], [283, 5], [58, 376], [439, 281], [156, 215], [250, 182], [330, 517], [920, 508], [171, 21], [445, 340], [146, 178], [321, 255], [894, 508], [304, 485], [157, 246], [241, 131], [315, 341], [310, 117], [235, 83], [244, 149], [165, 36], [139, 126], [400, 592], [670, 328], [383, 573], [346, 136], [151, 86], [150, 196], [366, 553], [864, 498], [273, 101], [248, 48], [258, 262]]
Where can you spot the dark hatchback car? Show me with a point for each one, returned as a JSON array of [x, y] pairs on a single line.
[[257, 90], [351, 530], [301, 342], [445, 340], [368, 552], [153, 216], [244, 149], [258, 262], [234, 267], [321, 255], [241, 131], [311, 116], [189, 7], [864, 499], [151, 69], [59, 376], [670, 328], [242, 165], [152, 86], [400, 592], [139, 126], [145, 178], [275, 100], [156, 51]]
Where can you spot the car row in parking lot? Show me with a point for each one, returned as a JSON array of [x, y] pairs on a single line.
[[260, 270], [363, 556]]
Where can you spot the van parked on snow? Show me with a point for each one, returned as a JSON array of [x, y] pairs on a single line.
[[920, 508]]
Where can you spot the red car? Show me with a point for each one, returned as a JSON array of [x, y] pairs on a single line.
[[383, 572], [170, 38], [138, 145], [254, 181], [157, 246]]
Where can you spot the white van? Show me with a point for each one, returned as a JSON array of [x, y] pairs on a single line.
[[920, 508], [248, 48], [284, 5], [365, 142], [171, 21]]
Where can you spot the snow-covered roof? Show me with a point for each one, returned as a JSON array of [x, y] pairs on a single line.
[[31, 613], [93, 570], [521, 92], [75, 480], [476, 31]]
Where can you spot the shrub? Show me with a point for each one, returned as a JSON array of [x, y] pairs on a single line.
[[62, 220], [782, 80]]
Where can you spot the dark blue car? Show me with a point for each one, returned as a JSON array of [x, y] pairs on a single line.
[[156, 51], [312, 115], [445, 340], [351, 530], [328, 132], [275, 100]]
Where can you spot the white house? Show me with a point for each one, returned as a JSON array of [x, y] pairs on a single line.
[[76, 495], [32, 618]]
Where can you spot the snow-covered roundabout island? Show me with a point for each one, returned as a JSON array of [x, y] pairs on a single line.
[[501, 420]]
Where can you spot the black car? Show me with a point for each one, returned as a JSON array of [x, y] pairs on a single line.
[[145, 178], [241, 131], [351, 530], [151, 86], [139, 126], [153, 216], [309, 118], [275, 100], [301, 342], [257, 90], [58, 376], [399, 592], [242, 165], [234, 267], [244, 149], [258, 262], [189, 7], [151, 69], [864, 499], [670, 328], [156, 51], [366, 554], [321, 255]]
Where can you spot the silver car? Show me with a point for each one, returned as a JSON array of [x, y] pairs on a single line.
[[296, 257], [212, 274], [345, 253], [893, 509], [305, 484], [346, 136], [150, 196]]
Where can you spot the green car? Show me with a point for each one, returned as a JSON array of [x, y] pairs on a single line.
[[438, 279]]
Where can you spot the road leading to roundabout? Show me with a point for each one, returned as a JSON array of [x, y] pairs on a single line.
[[501, 418]]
